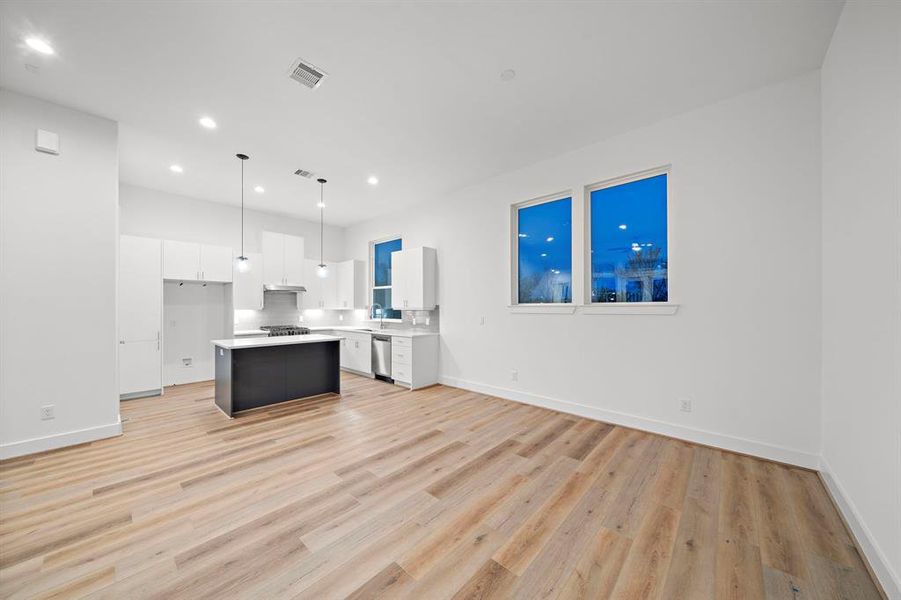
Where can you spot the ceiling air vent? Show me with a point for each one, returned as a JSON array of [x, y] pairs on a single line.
[[305, 73], [302, 173]]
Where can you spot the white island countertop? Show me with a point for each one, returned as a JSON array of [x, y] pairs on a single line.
[[279, 340]]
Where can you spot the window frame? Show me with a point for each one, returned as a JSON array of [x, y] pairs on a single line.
[[659, 308], [373, 287], [543, 307]]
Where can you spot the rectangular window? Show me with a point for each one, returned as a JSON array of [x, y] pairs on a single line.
[[543, 251], [380, 275], [627, 219]]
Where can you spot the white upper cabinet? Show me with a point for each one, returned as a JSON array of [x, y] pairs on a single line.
[[181, 260], [216, 263], [322, 292], [248, 287], [140, 289], [313, 296], [351, 280], [283, 262], [294, 249], [413, 279], [187, 261]]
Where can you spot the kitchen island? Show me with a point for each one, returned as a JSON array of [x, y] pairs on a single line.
[[255, 372]]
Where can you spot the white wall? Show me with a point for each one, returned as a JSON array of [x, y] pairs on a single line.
[[151, 213], [58, 269], [745, 344], [861, 99]]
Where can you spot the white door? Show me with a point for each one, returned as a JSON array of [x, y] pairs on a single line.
[[293, 260], [248, 286], [216, 263], [140, 367], [400, 265], [273, 258], [181, 260], [313, 296]]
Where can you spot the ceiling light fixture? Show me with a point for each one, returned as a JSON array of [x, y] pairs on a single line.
[[550, 239], [39, 45], [623, 226], [508, 75], [322, 269], [207, 122], [259, 189], [373, 180], [176, 169], [242, 264]]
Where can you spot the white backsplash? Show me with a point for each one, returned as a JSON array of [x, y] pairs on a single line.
[[281, 309]]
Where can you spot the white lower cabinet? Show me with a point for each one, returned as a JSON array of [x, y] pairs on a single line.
[[356, 351], [414, 360], [140, 367]]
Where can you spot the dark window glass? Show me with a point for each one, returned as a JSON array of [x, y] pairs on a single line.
[[382, 297], [545, 252], [628, 242], [382, 257]]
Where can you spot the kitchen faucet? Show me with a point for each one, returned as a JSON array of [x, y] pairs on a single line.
[[381, 314]]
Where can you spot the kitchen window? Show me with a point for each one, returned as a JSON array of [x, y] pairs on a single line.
[[628, 241], [542, 251], [380, 276]]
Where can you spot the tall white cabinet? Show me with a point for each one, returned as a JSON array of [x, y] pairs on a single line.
[[413, 279], [140, 316], [283, 262]]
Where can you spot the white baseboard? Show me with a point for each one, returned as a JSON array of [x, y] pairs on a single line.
[[708, 438], [890, 580], [60, 440]]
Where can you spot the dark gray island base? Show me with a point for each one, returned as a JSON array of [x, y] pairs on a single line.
[[251, 373]]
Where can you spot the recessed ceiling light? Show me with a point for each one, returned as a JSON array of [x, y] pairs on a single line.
[[550, 239], [176, 169], [39, 45], [523, 235], [373, 180], [623, 226], [259, 189], [207, 122], [543, 254], [508, 75]]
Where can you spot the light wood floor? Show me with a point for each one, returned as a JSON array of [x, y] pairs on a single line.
[[432, 494]]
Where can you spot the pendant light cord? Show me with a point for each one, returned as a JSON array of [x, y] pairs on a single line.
[[242, 209], [321, 226]]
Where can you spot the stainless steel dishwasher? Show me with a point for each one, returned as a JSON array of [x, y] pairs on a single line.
[[381, 356]]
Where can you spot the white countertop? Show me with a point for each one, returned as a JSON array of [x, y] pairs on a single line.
[[375, 330], [280, 340]]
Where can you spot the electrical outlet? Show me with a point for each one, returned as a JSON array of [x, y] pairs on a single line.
[[47, 412], [187, 362], [514, 375], [685, 404]]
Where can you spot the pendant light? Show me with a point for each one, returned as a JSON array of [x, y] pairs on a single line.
[[322, 269], [242, 263]]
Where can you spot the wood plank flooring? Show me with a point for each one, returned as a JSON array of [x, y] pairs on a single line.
[[387, 493]]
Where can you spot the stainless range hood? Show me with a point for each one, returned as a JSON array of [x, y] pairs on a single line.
[[284, 288]]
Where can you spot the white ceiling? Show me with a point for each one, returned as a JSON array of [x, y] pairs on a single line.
[[413, 94]]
